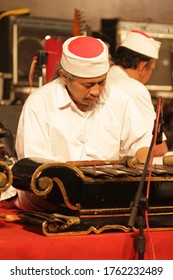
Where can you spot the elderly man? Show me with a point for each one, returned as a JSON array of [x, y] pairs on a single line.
[[78, 117]]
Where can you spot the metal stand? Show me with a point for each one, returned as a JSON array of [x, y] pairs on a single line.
[[40, 66], [140, 203]]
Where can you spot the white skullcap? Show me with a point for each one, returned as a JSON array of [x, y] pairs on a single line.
[[143, 43], [85, 57]]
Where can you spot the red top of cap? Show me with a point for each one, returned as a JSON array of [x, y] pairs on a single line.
[[86, 47], [142, 32]]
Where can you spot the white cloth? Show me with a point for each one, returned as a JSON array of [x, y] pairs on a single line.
[[138, 92], [10, 192], [85, 56], [142, 42], [53, 128]]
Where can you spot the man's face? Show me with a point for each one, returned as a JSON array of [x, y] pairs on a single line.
[[147, 71], [85, 92]]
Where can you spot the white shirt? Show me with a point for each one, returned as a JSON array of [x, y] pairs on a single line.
[[138, 92], [52, 127]]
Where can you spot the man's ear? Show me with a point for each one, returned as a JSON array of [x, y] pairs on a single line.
[[62, 77], [141, 66]]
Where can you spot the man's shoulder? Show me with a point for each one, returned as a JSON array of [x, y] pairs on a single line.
[[46, 89], [115, 92], [115, 72], [45, 94], [128, 85]]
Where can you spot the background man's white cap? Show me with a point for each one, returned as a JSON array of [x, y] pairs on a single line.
[[143, 43], [85, 57]]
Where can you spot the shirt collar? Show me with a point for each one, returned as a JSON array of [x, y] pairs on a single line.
[[63, 99], [120, 71]]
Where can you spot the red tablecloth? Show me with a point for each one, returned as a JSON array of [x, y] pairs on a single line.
[[16, 243]]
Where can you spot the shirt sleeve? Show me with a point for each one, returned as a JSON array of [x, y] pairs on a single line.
[[135, 134], [32, 139]]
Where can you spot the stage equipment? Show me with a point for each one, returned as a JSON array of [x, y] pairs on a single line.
[[5, 88], [42, 58], [9, 116], [29, 35], [21, 38], [93, 198]]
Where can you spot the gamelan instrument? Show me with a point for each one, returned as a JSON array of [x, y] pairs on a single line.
[[94, 196], [6, 177]]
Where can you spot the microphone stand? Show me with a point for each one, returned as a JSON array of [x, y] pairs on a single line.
[[41, 62], [140, 203]]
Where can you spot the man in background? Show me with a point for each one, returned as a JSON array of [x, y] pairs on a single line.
[[134, 62]]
